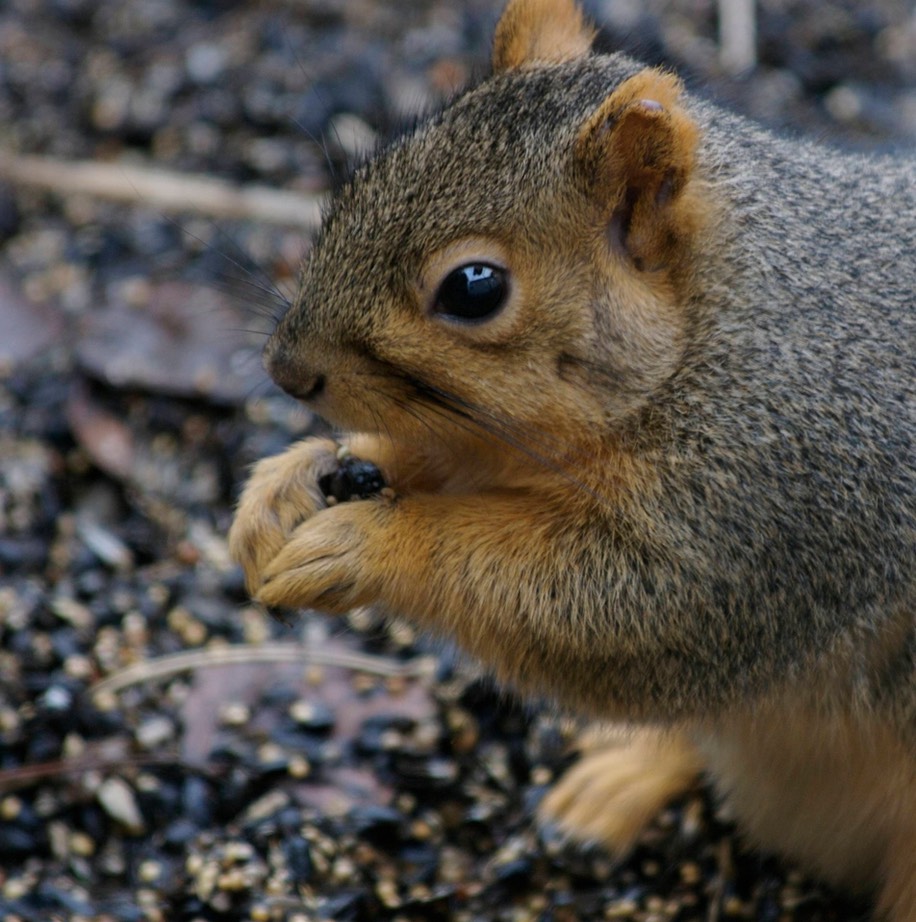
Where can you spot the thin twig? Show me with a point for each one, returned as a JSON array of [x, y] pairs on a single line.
[[163, 190], [738, 35], [23, 776], [168, 666]]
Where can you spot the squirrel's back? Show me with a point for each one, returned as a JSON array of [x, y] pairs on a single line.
[[802, 401], [793, 431]]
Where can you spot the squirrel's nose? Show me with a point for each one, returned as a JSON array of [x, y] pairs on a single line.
[[291, 375], [305, 390]]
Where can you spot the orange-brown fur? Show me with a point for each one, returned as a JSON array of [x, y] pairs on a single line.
[[541, 31], [621, 782]]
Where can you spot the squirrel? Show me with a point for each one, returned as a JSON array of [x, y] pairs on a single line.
[[640, 377]]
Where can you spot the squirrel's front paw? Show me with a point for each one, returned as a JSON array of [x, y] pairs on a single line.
[[332, 561], [280, 495]]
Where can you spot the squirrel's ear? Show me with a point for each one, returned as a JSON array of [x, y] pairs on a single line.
[[637, 154], [532, 32]]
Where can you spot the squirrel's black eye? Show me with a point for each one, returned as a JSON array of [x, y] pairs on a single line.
[[472, 292]]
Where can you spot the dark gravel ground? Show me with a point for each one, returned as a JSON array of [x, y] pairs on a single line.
[[310, 769]]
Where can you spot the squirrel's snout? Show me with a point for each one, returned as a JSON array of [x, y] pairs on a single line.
[[289, 374], [306, 390]]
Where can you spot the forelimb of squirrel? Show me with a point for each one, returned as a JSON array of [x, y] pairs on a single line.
[[642, 379]]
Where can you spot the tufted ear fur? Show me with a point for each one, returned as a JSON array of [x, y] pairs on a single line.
[[637, 153], [532, 32]]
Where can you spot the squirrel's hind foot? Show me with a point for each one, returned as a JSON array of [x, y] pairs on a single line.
[[623, 780]]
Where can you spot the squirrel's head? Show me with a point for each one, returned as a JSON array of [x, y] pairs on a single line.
[[515, 266]]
